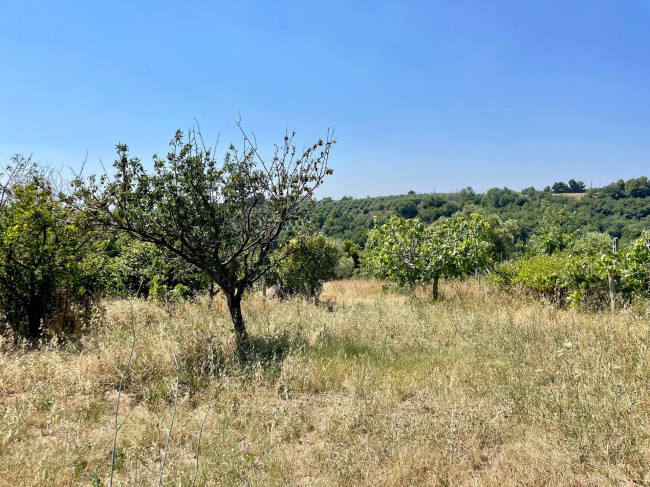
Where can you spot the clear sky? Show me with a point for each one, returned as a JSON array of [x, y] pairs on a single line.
[[424, 95]]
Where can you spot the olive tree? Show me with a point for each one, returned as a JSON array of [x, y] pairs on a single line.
[[224, 218]]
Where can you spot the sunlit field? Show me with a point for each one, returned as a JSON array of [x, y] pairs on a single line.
[[368, 387]]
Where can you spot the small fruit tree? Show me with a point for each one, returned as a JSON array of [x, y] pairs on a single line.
[[223, 218], [408, 253]]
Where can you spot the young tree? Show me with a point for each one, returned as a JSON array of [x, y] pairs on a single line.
[[408, 253], [394, 251], [551, 235], [455, 247], [225, 219]]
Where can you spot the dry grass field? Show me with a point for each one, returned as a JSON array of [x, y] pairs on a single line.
[[368, 388], [575, 196]]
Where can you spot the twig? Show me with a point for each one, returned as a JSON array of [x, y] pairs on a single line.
[[119, 395], [171, 425], [198, 446]]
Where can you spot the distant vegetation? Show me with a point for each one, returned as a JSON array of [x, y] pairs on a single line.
[[620, 209], [550, 242]]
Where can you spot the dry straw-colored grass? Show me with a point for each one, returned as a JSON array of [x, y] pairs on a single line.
[[370, 387]]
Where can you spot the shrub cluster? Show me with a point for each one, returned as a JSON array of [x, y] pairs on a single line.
[[579, 275]]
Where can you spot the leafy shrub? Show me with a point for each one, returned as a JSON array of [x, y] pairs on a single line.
[[540, 273], [309, 265], [48, 273], [141, 268], [344, 268], [580, 275]]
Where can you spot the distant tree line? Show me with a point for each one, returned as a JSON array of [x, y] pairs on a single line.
[[572, 187], [620, 209]]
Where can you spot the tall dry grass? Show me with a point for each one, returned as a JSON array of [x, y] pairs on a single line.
[[368, 388]]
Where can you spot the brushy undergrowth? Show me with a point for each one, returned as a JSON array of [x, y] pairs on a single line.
[[368, 388]]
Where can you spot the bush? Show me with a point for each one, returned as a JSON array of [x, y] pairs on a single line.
[[539, 273], [580, 276], [406, 209], [307, 268], [344, 268], [49, 275], [142, 269]]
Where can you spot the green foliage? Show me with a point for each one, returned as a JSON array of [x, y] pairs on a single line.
[[615, 190], [591, 244], [308, 265], [502, 237], [142, 269], [224, 219], [344, 267], [457, 246], [406, 209], [408, 253], [499, 198], [469, 196], [637, 188], [395, 251], [433, 201], [563, 278], [580, 273], [434, 213], [576, 186], [541, 273], [353, 250], [560, 187], [573, 187], [48, 275], [634, 269], [552, 235]]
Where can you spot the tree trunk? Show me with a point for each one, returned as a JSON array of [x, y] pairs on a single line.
[[212, 293], [435, 288], [34, 313], [234, 305]]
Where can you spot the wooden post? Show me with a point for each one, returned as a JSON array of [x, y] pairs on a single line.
[[612, 283]]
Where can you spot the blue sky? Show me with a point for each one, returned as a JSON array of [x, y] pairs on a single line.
[[429, 96]]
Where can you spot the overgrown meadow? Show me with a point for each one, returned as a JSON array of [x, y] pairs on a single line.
[[371, 386]]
